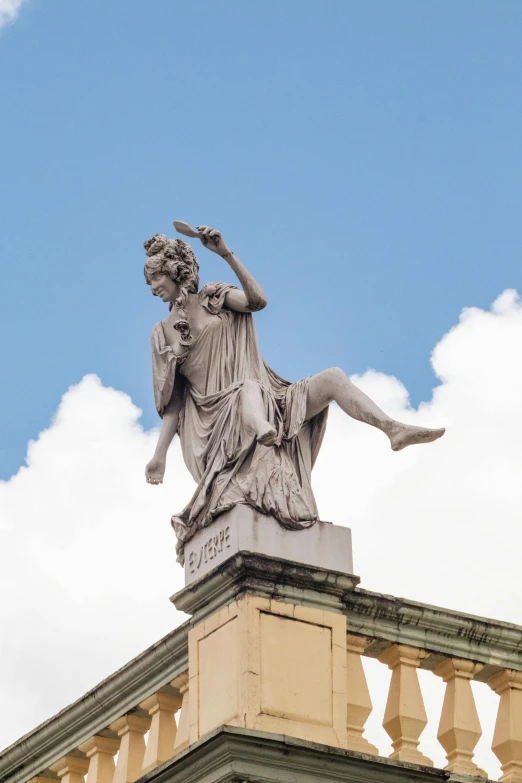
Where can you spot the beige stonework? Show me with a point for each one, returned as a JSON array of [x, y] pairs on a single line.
[[162, 734], [405, 716], [182, 735], [359, 704], [507, 739], [100, 751], [130, 729], [459, 727], [273, 666], [71, 769], [219, 667]]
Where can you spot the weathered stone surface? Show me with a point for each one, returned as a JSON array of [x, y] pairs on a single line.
[[238, 755], [441, 632], [242, 529], [267, 577]]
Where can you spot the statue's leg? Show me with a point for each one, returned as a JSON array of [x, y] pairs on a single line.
[[334, 385], [254, 414]]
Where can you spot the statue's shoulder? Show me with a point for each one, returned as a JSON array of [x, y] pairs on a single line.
[[212, 296], [157, 336]]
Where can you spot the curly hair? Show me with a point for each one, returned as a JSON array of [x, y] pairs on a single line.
[[174, 258]]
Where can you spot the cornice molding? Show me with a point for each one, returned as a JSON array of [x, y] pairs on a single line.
[[230, 755], [385, 619], [268, 577], [441, 632]]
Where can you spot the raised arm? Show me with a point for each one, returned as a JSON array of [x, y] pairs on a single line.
[[252, 297]]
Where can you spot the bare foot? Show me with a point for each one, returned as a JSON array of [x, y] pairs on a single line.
[[402, 435], [266, 435]]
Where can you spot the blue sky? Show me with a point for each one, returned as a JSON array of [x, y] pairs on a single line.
[[362, 158]]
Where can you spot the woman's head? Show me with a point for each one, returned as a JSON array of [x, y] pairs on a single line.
[[171, 269]]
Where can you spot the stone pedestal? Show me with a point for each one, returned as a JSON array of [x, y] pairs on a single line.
[[242, 529], [267, 650]]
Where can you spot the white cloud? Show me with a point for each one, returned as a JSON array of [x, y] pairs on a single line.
[[9, 10], [89, 554]]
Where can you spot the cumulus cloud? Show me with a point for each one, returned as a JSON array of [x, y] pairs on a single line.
[[89, 554], [9, 10]]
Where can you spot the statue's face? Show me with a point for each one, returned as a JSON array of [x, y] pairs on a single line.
[[164, 286]]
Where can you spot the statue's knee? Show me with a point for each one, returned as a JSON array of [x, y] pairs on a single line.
[[336, 375], [251, 387]]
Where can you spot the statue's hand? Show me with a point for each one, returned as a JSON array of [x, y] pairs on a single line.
[[155, 470], [213, 240]]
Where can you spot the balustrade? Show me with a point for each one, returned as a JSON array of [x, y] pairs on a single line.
[[405, 716], [359, 704], [404, 720], [459, 727], [162, 735], [71, 769], [507, 739], [158, 726], [100, 751], [182, 736]]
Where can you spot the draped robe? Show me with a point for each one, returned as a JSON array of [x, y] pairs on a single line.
[[222, 455]]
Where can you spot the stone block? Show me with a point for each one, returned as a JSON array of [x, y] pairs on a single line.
[[296, 670], [264, 669], [242, 529], [219, 662]]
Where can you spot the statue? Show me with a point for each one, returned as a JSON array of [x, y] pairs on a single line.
[[247, 435]]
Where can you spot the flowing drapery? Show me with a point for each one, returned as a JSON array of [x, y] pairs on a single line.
[[229, 466]]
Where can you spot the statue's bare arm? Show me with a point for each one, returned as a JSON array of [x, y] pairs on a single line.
[[252, 297], [155, 469], [325, 387]]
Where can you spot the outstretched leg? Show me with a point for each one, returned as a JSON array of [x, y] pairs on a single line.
[[334, 385], [254, 414]]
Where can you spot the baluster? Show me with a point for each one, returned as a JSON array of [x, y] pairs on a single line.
[[71, 769], [162, 735], [130, 729], [100, 751], [459, 727], [182, 735], [405, 717], [507, 739], [43, 777], [359, 704]]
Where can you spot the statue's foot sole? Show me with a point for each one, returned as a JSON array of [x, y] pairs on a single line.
[[409, 435]]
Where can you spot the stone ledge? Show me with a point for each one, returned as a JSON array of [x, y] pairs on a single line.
[[234, 755], [385, 619], [441, 632], [268, 577]]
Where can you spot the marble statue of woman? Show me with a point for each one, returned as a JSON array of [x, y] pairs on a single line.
[[247, 435]]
